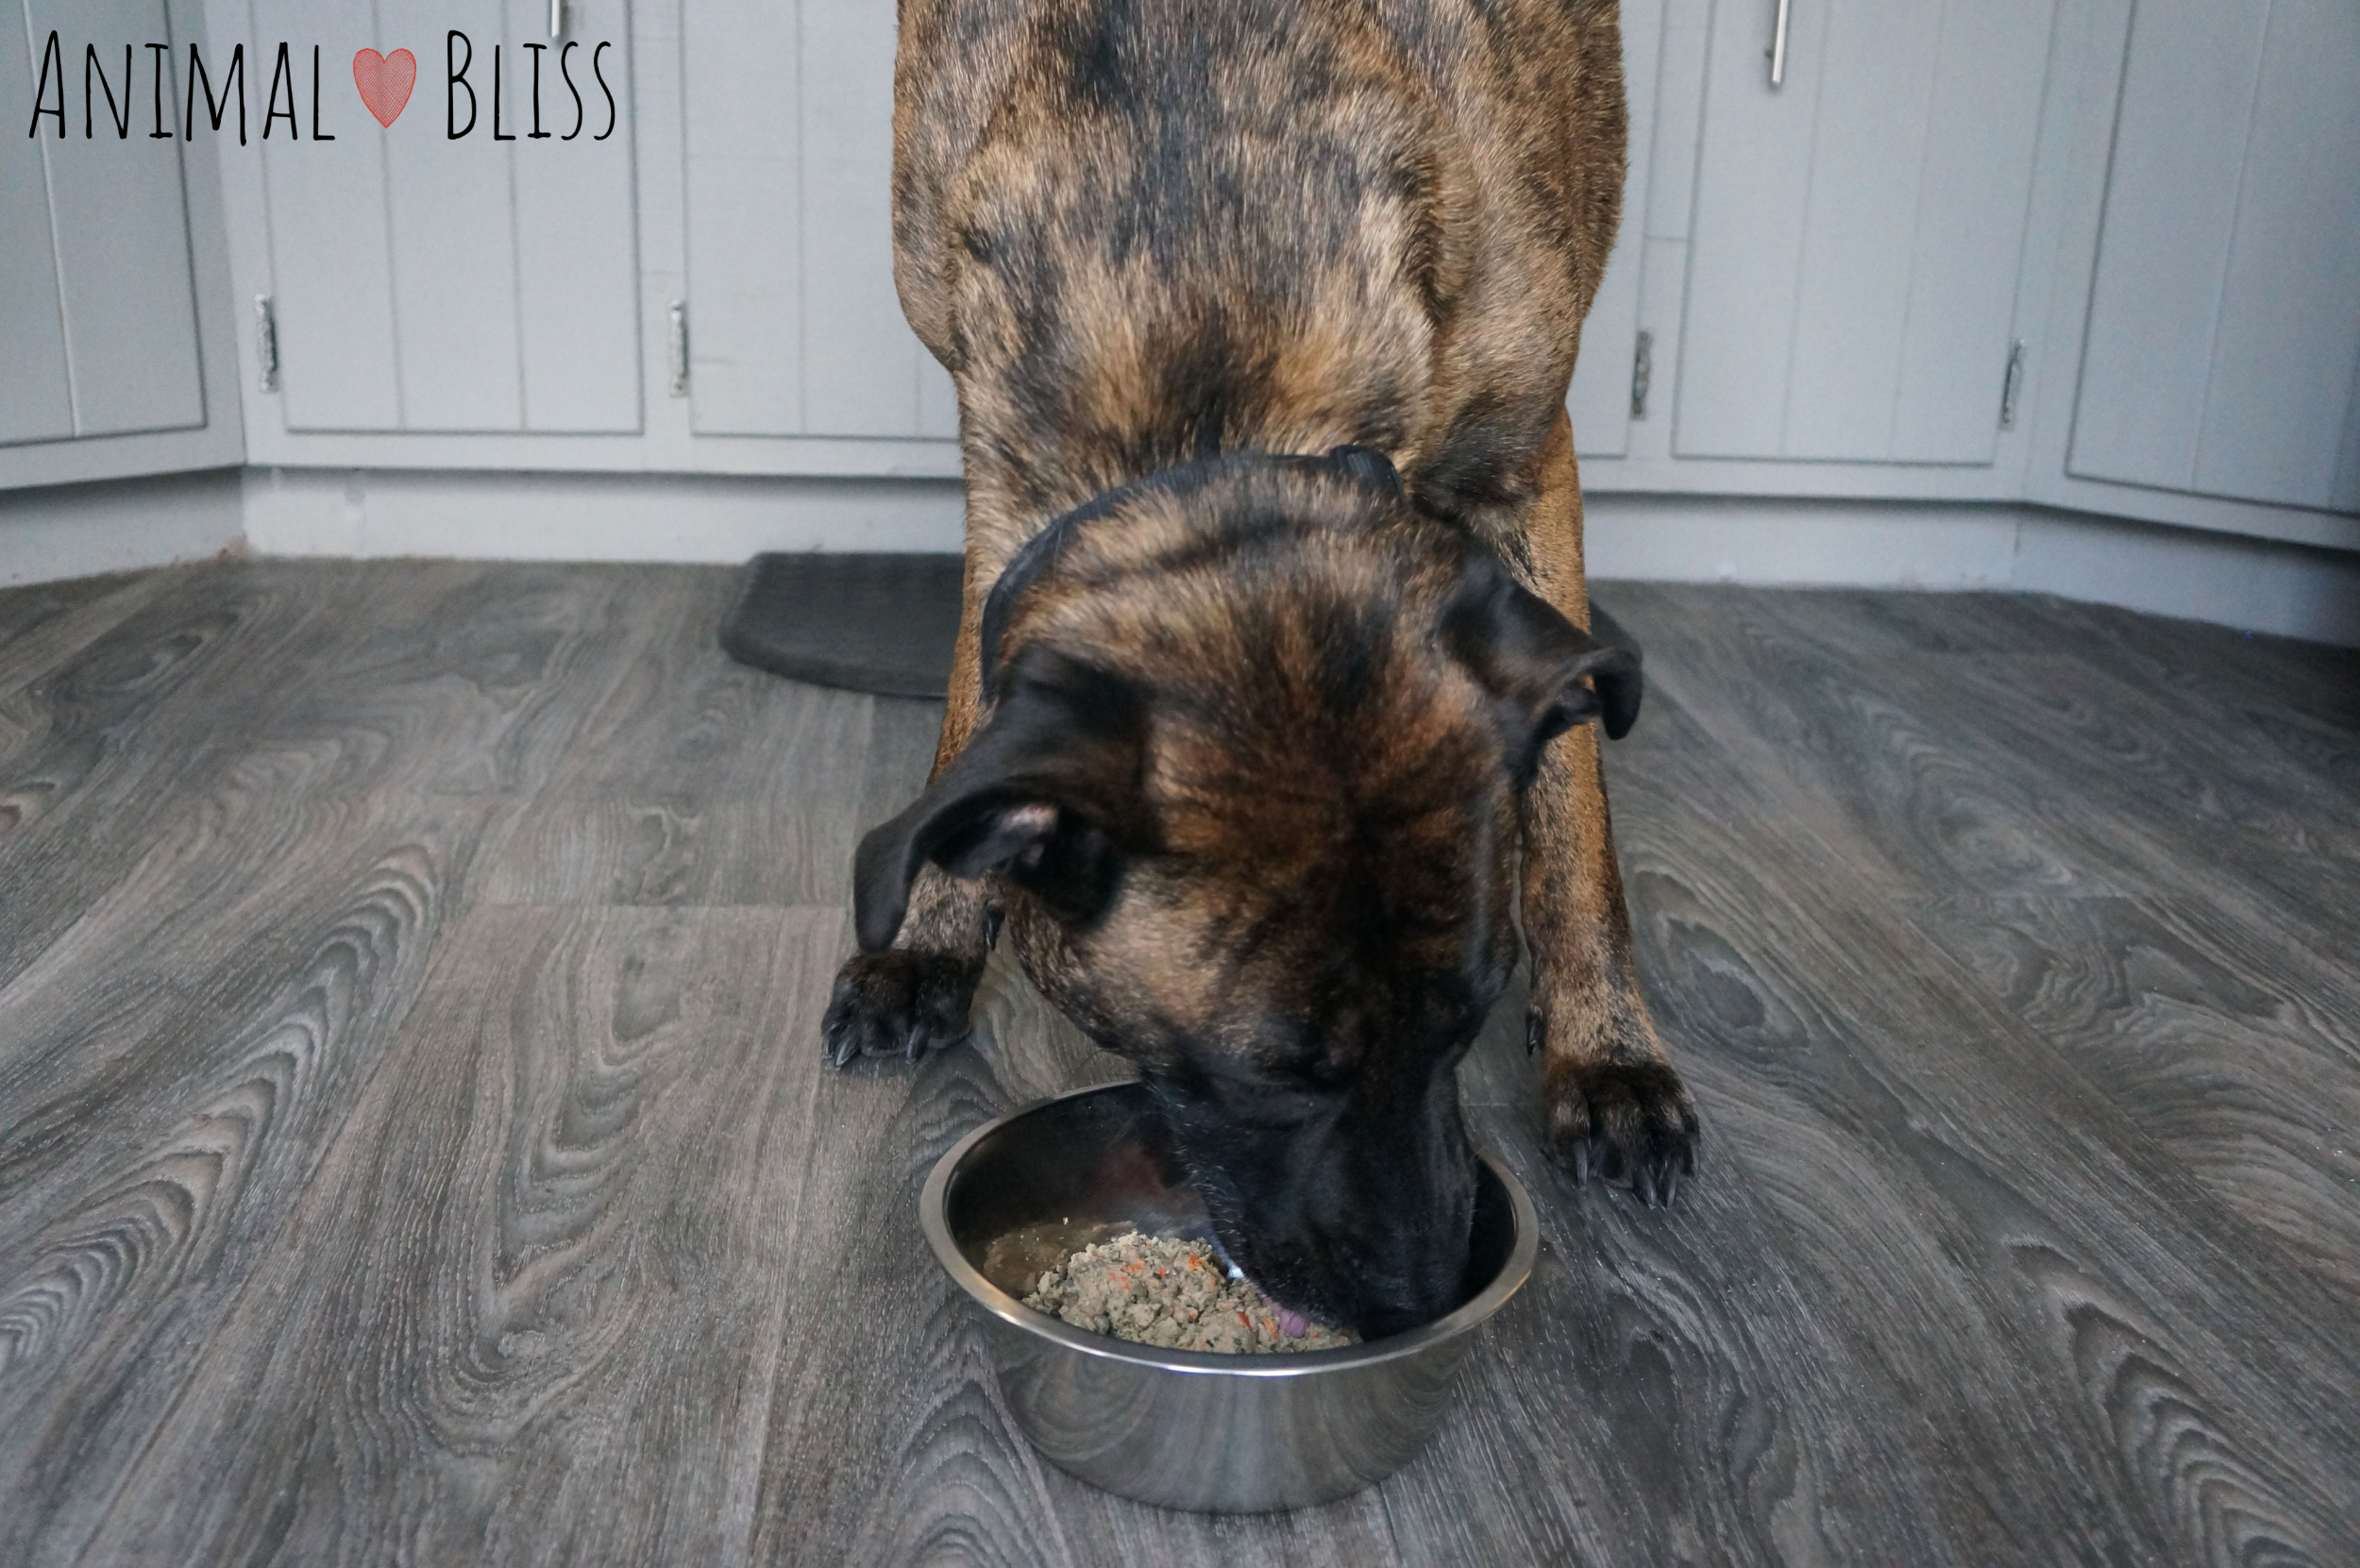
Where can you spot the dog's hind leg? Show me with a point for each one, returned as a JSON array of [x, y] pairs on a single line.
[[1611, 1102], [915, 996]]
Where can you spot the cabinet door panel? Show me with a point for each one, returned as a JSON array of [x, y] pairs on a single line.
[[122, 230], [1859, 229], [860, 359], [798, 329], [36, 398], [330, 248], [452, 224], [472, 285], [2282, 388], [1746, 248], [1599, 399], [2224, 333], [2163, 254], [742, 104], [1979, 148], [578, 226], [1876, 68]]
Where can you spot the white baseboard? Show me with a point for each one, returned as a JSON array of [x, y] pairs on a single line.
[[2252, 584], [117, 525], [518, 517], [70, 531], [1800, 544]]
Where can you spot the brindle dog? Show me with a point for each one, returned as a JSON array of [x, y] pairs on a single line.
[[1255, 748]]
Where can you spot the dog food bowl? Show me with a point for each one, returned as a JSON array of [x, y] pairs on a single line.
[[1185, 1430]]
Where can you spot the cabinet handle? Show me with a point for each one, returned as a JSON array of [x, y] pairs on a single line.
[[557, 18], [267, 342], [1778, 45]]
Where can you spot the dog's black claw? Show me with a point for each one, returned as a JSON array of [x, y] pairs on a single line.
[[1631, 1121], [1534, 1028], [897, 1004]]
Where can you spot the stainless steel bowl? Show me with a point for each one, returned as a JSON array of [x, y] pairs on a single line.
[[1185, 1430]]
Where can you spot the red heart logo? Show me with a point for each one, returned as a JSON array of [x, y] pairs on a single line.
[[385, 81]]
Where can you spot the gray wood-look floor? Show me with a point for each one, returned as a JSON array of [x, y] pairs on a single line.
[[414, 1144]]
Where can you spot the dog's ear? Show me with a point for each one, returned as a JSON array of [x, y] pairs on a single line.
[[1047, 791], [1548, 673]]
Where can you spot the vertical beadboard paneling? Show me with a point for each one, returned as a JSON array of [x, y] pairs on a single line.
[[1746, 256], [860, 359], [2163, 254], [330, 258], [577, 224], [452, 214], [1599, 399], [1858, 230], [2280, 392], [745, 215], [122, 226], [1877, 69], [1973, 203], [35, 399]]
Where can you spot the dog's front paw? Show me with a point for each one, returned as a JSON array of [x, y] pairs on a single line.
[[1632, 1122], [898, 1002]]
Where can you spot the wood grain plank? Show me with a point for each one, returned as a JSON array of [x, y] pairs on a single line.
[[2084, 1255], [157, 703], [2098, 766], [1871, 772], [2237, 1056], [170, 1069], [42, 625], [465, 678], [43, 622], [526, 1312], [697, 781], [350, 1212]]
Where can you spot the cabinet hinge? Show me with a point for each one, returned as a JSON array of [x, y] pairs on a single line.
[[1641, 374], [2011, 385], [680, 348], [266, 341]]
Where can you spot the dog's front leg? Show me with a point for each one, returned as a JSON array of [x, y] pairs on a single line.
[[1612, 1100], [915, 995]]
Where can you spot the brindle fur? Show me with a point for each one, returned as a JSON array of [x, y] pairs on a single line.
[[1274, 855]]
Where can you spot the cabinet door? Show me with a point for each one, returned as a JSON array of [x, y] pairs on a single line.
[[98, 298], [2224, 335], [796, 328], [423, 283], [1859, 229], [1599, 399]]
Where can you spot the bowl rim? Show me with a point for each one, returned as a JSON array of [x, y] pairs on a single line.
[[1524, 1250]]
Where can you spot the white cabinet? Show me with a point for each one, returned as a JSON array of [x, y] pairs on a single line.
[[1858, 229], [422, 283], [2224, 353], [795, 326], [98, 322], [1600, 398]]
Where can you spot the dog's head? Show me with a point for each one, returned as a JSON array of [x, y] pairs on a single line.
[[1250, 776]]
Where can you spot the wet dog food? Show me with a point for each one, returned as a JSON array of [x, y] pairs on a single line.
[[1173, 1295]]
